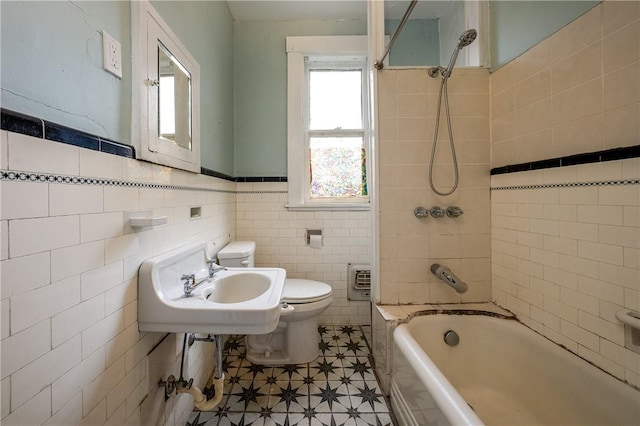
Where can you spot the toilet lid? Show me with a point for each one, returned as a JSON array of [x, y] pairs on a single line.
[[304, 291]]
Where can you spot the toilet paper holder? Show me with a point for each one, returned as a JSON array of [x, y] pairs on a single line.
[[311, 232]]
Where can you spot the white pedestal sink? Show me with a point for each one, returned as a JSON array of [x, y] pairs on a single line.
[[235, 301]]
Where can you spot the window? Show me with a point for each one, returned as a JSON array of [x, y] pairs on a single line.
[[328, 136]]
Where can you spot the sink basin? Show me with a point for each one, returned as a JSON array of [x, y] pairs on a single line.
[[235, 301], [233, 287]]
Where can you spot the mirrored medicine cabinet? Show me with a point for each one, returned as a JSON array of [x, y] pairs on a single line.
[[165, 93]]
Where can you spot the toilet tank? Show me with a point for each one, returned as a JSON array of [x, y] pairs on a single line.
[[238, 254]]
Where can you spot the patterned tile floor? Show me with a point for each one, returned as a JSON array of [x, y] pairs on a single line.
[[338, 388]]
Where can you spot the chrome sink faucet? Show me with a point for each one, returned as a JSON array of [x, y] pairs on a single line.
[[189, 284], [214, 268]]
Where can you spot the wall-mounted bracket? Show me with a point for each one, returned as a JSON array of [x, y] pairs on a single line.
[[144, 218], [631, 321]]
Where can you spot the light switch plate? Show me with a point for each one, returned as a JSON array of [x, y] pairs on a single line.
[[111, 54]]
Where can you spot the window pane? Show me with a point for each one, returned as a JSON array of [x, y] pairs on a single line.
[[337, 167], [335, 98]]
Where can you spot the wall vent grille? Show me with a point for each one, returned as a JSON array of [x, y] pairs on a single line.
[[359, 281]]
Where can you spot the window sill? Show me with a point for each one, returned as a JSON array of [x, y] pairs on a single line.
[[329, 207]]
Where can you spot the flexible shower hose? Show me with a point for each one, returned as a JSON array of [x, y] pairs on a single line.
[[443, 90]]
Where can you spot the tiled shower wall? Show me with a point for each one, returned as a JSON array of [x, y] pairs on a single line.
[[575, 92], [409, 245], [565, 256], [71, 349], [280, 242], [566, 259]]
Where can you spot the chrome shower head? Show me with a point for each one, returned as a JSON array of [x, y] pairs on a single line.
[[467, 38]]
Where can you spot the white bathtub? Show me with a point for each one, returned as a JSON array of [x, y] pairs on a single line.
[[500, 373]]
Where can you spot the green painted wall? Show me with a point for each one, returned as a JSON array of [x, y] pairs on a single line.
[[52, 66], [206, 28], [417, 45], [260, 89], [51, 59], [516, 26]]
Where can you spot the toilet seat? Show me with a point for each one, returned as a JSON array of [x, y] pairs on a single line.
[[299, 291]]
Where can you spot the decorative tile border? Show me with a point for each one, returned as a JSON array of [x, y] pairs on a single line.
[[567, 185], [20, 176], [17, 176]]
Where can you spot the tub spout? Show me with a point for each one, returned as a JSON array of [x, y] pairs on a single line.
[[449, 277]]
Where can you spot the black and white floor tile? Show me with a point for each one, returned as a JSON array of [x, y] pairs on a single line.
[[338, 388]]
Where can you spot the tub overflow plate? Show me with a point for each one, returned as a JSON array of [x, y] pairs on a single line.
[[451, 338]]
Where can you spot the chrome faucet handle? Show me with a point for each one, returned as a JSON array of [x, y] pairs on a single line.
[[189, 282], [214, 267], [420, 212], [437, 212], [454, 211]]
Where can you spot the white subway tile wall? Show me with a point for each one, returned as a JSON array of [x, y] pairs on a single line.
[[409, 245], [71, 349], [584, 276], [280, 242]]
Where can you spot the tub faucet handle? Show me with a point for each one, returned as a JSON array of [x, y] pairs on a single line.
[[437, 212], [420, 212], [454, 211]]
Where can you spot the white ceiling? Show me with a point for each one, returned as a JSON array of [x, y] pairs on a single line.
[[289, 10]]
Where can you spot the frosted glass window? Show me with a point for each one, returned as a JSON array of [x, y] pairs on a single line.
[[337, 167], [335, 98]]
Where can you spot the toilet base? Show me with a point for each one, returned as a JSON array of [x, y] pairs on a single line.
[[291, 343]]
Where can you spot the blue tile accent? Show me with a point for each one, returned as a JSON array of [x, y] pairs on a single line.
[[20, 123], [111, 147], [58, 133], [24, 124]]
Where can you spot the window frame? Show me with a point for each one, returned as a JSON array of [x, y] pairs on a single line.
[[341, 52]]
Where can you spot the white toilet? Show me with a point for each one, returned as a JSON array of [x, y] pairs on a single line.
[[295, 340]]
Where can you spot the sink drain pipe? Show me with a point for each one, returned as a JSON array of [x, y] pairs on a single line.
[[216, 379]]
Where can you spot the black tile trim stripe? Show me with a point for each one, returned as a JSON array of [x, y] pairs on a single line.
[[213, 173], [17, 122], [572, 160], [255, 179], [568, 185], [261, 179]]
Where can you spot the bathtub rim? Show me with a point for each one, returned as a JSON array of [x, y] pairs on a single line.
[[441, 390], [416, 350], [490, 309]]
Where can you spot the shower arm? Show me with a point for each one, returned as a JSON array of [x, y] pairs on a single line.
[[379, 64]]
